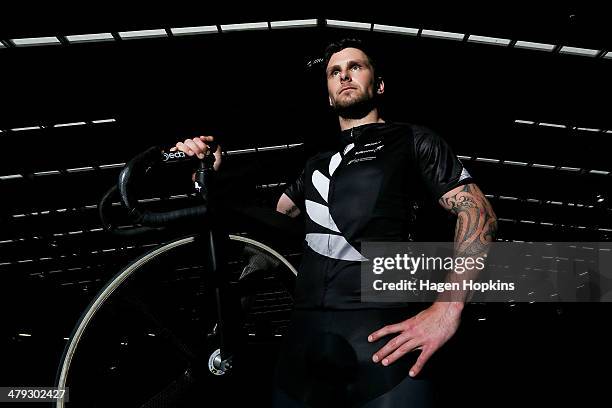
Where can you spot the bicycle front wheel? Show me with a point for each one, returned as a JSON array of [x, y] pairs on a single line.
[[146, 337]]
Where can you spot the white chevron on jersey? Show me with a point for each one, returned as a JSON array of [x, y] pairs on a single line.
[[348, 148], [330, 245], [333, 246], [319, 213], [321, 183], [334, 163]]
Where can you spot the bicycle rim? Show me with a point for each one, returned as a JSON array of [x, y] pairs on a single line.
[[114, 283]]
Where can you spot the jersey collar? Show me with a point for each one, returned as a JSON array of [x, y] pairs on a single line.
[[360, 133]]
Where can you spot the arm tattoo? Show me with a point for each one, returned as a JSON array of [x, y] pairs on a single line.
[[293, 211], [476, 221]]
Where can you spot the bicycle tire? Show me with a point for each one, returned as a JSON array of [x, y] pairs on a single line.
[[120, 278]]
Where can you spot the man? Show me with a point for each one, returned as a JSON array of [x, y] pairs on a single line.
[[341, 351]]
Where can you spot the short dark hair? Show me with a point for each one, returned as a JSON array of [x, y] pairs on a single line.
[[351, 42]]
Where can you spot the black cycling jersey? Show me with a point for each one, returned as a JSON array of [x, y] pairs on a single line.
[[364, 192]]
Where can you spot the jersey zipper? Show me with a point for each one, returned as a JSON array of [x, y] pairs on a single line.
[[332, 179]]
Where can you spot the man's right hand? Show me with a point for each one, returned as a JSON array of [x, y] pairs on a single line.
[[198, 146]]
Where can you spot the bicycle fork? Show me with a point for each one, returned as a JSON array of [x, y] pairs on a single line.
[[216, 242], [227, 304]]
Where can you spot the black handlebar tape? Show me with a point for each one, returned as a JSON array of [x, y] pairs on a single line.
[[103, 207], [165, 218], [131, 177]]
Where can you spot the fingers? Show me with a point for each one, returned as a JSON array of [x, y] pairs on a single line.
[[406, 347], [196, 146], [184, 148], [423, 357], [208, 139], [201, 146], [392, 328], [394, 344]]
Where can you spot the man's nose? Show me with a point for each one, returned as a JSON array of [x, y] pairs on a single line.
[[345, 75]]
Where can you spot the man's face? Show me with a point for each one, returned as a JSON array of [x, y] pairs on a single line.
[[350, 80]]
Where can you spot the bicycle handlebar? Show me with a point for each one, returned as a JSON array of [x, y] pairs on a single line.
[[131, 177], [103, 207]]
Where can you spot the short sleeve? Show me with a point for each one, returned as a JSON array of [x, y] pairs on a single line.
[[440, 169], [295, 192]]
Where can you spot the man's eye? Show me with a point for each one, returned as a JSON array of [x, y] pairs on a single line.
[[335, 72], [355, 67]]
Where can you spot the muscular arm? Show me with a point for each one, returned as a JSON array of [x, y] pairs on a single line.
[[286, 206], [476, 224], [433, 327]]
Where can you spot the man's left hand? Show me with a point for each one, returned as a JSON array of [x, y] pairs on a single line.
[[427, 331]]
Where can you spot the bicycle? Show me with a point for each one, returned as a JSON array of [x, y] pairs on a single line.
[[206, 348]]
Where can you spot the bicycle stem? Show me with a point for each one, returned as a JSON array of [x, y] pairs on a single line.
[[203, 176]]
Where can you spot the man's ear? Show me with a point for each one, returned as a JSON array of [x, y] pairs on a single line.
[[330, 101], [380, 86]]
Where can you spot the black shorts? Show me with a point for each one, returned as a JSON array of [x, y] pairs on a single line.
[[326, 361]]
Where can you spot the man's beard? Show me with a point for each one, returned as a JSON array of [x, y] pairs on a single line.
[[356, 108]]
